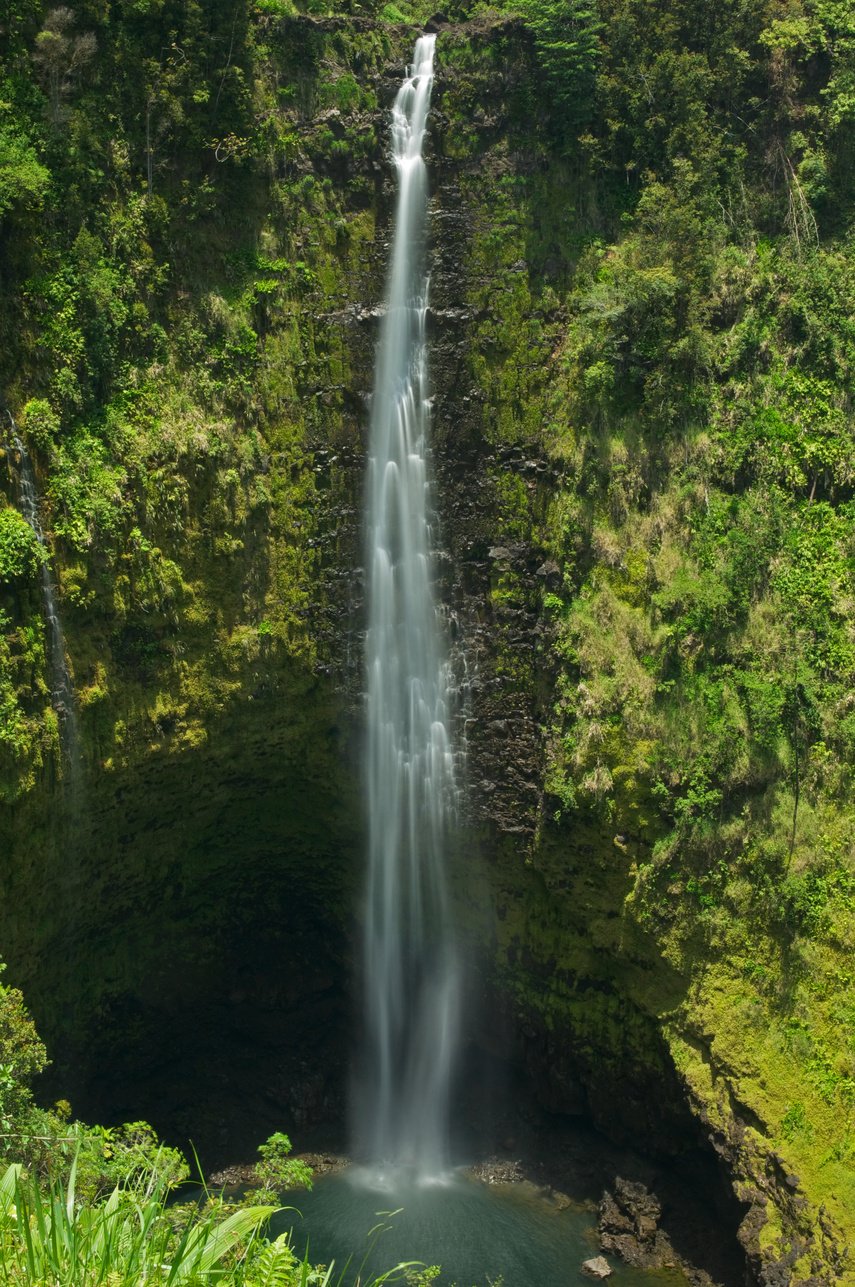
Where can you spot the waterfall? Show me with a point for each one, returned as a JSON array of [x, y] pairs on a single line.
[[61, 687], [412, 977]]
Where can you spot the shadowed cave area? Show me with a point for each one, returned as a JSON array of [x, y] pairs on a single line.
[[206, 898]]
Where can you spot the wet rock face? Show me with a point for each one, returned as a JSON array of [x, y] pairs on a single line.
[[490, 631]]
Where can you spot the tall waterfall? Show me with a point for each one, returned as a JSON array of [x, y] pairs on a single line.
[[412, 980], [61, 688]]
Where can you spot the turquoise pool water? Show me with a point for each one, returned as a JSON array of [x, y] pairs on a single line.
[[479, 1233]]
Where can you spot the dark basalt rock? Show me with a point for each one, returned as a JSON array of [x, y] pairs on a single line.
[[629, 1226]]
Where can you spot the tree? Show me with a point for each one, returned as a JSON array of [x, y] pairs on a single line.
[[60, 56], [22, 1058], [23, 180], [567, 40]]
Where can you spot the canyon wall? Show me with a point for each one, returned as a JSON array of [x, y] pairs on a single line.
[[189, 355]]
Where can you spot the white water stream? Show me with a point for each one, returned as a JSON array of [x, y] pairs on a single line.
[[412, 976], [61, 687]]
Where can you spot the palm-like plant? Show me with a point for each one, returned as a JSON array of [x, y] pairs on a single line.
[[133, 1238], [128, 1240]]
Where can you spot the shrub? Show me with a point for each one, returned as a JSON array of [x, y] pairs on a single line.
[[277, 1171], [21, 552], [22, 1057], [41, 423], [23, 180]]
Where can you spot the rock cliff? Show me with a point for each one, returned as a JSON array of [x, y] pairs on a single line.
[[202, 465]]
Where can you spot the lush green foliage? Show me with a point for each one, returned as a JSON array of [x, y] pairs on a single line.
[[278, 1171], [566, 34], [21, 555], [663, 296], [132, 1236], [22, 1058], [170, 225], [23, 180], [707, 425], [47, 1236]]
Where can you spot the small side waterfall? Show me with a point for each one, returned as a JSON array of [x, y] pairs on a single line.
[[412, 976], [61, 687]]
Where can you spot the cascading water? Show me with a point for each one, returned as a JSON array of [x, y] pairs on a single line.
[[61, 688], [412, 976]]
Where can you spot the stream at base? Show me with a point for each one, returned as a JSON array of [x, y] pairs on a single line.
[[478, 1233]]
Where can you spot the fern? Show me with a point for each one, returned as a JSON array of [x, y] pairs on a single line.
[[275, 1265]]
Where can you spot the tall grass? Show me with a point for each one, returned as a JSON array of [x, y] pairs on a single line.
[[133, 1238], [46, 1237]]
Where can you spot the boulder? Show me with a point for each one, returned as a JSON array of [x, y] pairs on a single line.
[[597, 1267]]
